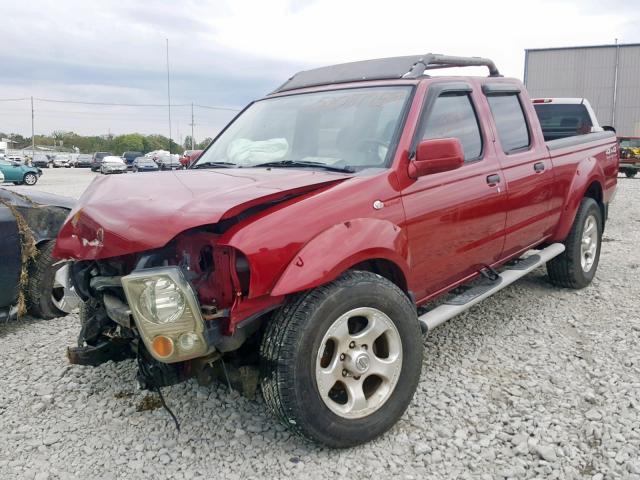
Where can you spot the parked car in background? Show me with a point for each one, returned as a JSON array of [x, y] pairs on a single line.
[[310, 253], [83, 160], [129, 157], [15, 158], [144, 164], [112, 164], [18, 173], [629, 155], [565, 117], [168, 161], [189, 156], [154, 153], [40, 160], [61, 161], [96, 161], [44, 291]]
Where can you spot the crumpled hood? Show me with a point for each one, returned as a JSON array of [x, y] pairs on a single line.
[[133, 213]]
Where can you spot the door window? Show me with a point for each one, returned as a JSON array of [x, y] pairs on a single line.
[[510, 122], [453, 116]]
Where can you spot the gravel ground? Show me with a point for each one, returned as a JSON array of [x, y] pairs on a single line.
[[536, 382]]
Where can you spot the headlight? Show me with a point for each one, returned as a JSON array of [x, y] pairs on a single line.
[[167, 313], [161, 301]]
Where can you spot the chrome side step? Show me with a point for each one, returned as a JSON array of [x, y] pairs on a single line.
[[474, 295]]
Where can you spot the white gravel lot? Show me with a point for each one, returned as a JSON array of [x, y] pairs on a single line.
[[536, 382]]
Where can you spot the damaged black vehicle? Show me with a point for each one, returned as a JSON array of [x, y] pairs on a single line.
[[31, 280]]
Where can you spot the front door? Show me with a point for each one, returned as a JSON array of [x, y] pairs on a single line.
[[455, 219]]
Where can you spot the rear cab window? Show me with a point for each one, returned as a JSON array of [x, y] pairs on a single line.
[[510, 121], [563, 120]]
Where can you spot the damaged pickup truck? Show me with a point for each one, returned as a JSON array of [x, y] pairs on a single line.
[[307, 240]]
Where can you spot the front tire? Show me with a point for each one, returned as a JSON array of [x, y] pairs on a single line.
[[630, 173], [30, 179], [340, 363], [42, 291], [577, 265]]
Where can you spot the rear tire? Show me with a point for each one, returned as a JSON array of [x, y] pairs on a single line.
[[295, 362], [577, 265], [630, 173], [40, 288]]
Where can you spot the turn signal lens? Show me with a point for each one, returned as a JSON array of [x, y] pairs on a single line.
[[163, 346]]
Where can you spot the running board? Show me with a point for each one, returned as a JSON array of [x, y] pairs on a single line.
[[476, 294]]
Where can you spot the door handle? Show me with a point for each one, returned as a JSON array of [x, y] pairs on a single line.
[[538, 167], [493, 180]]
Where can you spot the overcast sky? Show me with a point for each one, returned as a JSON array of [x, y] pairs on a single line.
[[226, 53]]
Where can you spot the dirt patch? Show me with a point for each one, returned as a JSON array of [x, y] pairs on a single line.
[[123, 394], [149, 402]]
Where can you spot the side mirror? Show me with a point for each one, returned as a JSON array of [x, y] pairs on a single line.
[[608, 128], [437, 155]]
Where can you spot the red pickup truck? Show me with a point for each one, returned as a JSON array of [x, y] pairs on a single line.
[[301, 248]]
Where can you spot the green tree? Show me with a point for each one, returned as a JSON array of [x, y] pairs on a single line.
[[204, 144], [133, 142]]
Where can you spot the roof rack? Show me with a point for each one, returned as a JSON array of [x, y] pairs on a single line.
[[434, 60], [412, 66]]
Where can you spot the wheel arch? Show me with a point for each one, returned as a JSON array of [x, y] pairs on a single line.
[[587, 182], [372, 245]]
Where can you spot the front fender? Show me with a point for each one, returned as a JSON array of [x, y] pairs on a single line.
[[588, 171], [340, 247]]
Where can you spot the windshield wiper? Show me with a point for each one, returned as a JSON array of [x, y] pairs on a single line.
[[214, 165], [304, 163]]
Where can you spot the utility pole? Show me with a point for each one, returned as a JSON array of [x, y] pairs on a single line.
[[193, 142], [615, 85], [33, 138], [169, 95]]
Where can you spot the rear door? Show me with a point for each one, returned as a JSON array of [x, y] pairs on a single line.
[[526, 165], [455, 219]]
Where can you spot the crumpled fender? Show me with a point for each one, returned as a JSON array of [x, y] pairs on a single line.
[[588, 171], [338, 248]]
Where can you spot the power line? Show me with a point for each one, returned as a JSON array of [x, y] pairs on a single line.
[[230, 109], [13, 99], [112, 104]]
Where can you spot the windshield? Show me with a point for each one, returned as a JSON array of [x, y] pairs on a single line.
[[349, 129], [630, 142]]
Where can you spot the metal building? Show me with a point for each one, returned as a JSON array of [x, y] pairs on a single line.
[[607, 75]]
